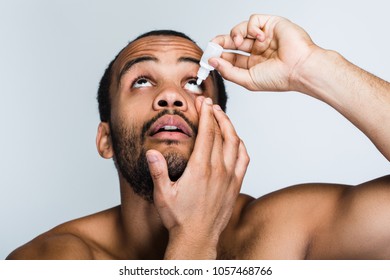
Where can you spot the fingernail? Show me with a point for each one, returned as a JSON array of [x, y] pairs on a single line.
[[217, 107], [213, 62], [208, 101], [151, 158], [260, 37], [200, 98]]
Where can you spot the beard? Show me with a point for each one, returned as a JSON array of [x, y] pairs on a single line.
[[130, 156]]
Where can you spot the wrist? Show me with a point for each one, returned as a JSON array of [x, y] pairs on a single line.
[[192, 244], [315, 76]]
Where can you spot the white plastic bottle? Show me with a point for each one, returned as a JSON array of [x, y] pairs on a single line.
[[212, 50]]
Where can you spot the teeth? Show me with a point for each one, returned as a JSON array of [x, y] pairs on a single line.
[[170, 127]]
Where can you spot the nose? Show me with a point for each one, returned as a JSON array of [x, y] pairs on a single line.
[[170, 98]]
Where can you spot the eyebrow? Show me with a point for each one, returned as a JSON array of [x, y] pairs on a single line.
[[137, 60], [188, 59], [133, 62]]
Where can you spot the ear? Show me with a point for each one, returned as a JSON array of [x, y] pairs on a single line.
[[103, 141]]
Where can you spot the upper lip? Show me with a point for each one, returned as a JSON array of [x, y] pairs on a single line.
[[171, 121]]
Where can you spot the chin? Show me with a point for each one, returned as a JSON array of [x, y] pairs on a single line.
[[176, 163], [169, 147]]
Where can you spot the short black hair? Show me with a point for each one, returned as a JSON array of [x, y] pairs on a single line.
[[103, 94]]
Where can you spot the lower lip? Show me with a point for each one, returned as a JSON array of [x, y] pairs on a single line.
[[166, 135]]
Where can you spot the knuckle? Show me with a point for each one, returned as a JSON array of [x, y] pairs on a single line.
[[210, 132], [217, 131], [156, 174], [252, 17], [235, 140], [219, 170], [247, 158], [204, 170]]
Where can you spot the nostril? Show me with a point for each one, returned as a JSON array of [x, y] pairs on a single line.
[[178, 103], [162, 103]]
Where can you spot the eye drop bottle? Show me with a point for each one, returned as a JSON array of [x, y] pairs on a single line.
[[212, 50]]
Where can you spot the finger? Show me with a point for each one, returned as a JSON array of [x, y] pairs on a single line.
[[225, 41], [252, 29], [217, 144], [205, 138], [232, 73], [198, 103], [231, 141], [217, 156], [247, 45], [256, 25], [159, 173], [216, 150], [239, 32]]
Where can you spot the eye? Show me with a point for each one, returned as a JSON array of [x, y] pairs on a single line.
[[141, 82], [193, 87]]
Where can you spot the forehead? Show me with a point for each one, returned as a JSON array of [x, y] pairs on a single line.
[[157, 46]]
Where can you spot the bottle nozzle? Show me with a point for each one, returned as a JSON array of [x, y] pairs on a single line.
[[203, 72]]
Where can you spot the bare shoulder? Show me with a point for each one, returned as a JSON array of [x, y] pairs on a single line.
[[83, 238], [317, 221], [360, 227], [279, 225], [59, 246], [294, 203]]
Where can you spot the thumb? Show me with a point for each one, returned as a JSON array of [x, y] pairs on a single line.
[[232, 73], [159, 172]]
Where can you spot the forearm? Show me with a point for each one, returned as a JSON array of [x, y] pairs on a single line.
[[361, 97]]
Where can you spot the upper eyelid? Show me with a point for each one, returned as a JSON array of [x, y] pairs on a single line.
[[190, 78], [150, 79], [141, 77], [194, 78]]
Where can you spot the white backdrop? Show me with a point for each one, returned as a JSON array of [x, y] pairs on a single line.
[[53, 53]]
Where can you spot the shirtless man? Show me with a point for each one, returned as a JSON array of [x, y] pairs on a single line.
[[156, 118]]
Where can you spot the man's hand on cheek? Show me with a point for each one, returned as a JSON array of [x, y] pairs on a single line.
[[196, 208]]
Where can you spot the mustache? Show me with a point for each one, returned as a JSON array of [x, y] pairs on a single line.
[[149, 123]]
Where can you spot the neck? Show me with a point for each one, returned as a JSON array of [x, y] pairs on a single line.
[[144, 235]]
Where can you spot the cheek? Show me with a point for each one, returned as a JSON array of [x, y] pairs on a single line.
[[126, 121], [126, 101], [130, 111]]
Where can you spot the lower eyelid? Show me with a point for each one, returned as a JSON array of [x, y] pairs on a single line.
[[198, 90]]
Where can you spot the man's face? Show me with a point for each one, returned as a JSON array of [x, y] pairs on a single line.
[[153, 94]]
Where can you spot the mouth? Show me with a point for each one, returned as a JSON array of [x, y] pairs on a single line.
[[171, 127]]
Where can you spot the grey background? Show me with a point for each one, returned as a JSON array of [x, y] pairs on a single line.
[[53, 53]]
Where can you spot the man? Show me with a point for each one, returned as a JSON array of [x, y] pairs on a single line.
[[181, 163]]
